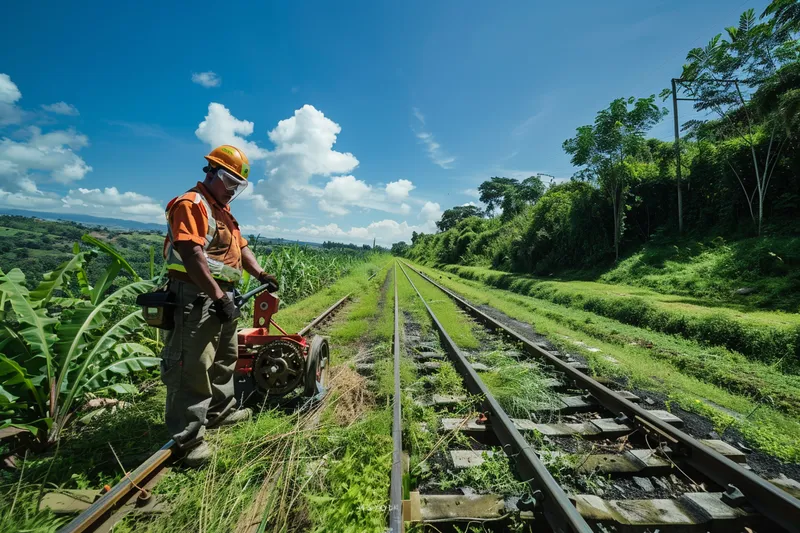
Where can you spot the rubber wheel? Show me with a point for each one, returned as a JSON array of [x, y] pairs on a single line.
[[317, 365]]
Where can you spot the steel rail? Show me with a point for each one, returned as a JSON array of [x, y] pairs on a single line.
[[94, 515], [769, 500], [324, 315], [396, 484], [559, 511]]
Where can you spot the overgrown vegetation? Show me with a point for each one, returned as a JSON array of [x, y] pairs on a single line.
[[736, 179], [755, 399]]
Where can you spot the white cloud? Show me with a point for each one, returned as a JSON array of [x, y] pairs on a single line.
[[430, 212], [472, 192], [110, 202], [21, 200], [52, 153], [9, 94], [473, 204], [346, 189], [385, 232], [331, 208], [260, 229], [206, 79], [62, 108], [220, 127], [399, 190], [304, 148], [435, 152], [342, 192]]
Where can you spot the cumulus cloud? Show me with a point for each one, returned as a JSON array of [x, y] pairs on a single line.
[[472, 192], [62, 108], [430, 212], [304, 148], [206, 79], [110, 202], [9, 94], [385, 232], [342, 192], [220, 127], [399, 190], [52, 153]]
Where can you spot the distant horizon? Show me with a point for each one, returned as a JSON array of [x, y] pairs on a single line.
[[133, 225]]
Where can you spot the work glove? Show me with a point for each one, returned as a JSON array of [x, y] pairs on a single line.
[[270, 280], [225, 309]]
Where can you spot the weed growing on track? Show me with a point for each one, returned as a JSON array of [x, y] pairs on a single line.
[[447, 381], [518, 389], [493, 476], [689, 374], [460, 328]]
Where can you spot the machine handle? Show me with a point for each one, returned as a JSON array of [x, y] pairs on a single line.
[[240, 299]]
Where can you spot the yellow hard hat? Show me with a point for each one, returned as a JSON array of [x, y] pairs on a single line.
[[230, 158]]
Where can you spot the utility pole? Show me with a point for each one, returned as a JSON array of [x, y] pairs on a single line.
[[675, 101], [677, 154]]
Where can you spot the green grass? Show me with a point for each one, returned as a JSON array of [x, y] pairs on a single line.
[[10, 232], [455, 322], [683, 370], [212, 498], [713, 269], [768, 336]]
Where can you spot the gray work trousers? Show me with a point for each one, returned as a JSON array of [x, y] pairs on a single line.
[[197, 365]]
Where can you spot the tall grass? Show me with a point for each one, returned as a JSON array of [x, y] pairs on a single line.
[[303, 270]]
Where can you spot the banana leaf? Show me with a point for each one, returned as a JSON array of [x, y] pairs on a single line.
[[104, 345], [113, 253], [56, 279], [36, 328], [74, 335], [15, 384]]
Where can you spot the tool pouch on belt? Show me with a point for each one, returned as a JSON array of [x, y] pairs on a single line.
[[158, 308]]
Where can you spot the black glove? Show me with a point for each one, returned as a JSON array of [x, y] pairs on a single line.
[[270, 280], [225, 309]]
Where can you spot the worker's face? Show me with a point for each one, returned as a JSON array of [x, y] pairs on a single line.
[[220, 191]]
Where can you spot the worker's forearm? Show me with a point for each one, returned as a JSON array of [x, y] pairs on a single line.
[[250, 263], [197, 269]]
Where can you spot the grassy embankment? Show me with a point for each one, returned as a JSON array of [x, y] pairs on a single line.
[[750, 396], [277, 449], [766, 336]]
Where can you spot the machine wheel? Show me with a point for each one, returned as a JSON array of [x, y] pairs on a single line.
[[317, 366]]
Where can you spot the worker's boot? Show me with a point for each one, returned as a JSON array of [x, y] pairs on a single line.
[[199, 455], [232, 417]]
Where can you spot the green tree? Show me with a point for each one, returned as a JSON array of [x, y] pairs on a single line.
[[399, 248], [610, 150], [751, 54], [454, 215], [494, 190]]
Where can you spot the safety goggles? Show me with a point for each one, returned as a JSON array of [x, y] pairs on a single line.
[[233, 183]]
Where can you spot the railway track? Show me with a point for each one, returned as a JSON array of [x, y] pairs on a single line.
[[593, 458], [133, 491]]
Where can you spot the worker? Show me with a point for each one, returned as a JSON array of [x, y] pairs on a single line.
[[205, 255]]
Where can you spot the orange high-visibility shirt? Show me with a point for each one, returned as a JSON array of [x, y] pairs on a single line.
[[188, 221]]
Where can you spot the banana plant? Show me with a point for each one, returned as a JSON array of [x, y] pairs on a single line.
[[56, 346]]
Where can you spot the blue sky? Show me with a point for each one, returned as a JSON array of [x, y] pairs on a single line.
[[362, 119]]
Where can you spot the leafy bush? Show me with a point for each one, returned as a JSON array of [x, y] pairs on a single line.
[[66, 338]]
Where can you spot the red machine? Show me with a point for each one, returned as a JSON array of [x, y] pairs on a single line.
[[274, 365]]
